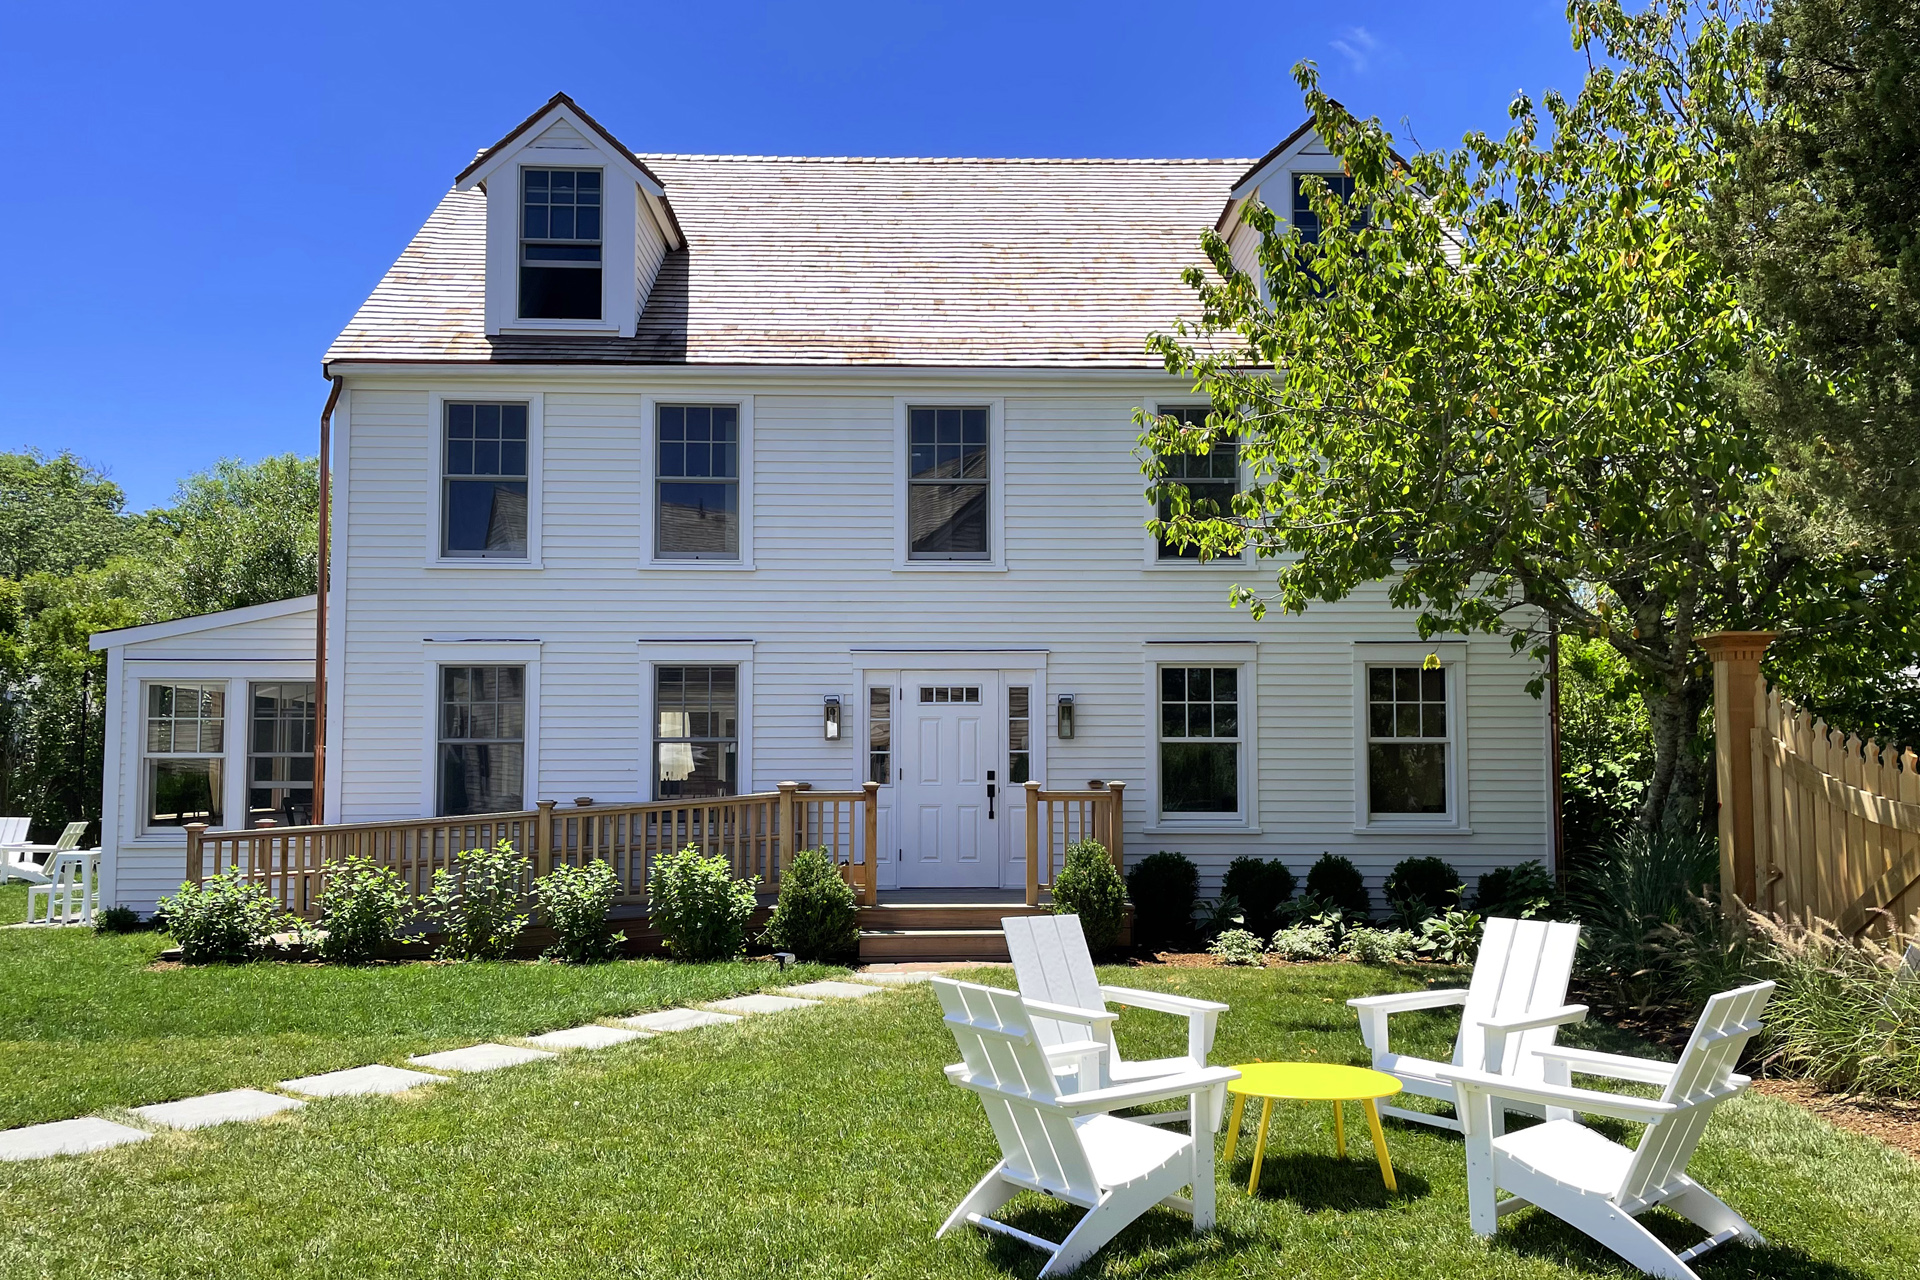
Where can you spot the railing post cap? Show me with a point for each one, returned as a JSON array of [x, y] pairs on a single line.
[[1031, 785], [788, 786], [196, 826], [1732, 646]]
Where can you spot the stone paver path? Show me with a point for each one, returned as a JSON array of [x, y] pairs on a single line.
[[591, 1036], [908, 978], [67, 1138], [356, 1081], [480, 1057], [760, 1004], [831, 990], [679, 1020], [217, 1108]]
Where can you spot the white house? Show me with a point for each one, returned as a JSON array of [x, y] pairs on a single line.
[[650, 465]]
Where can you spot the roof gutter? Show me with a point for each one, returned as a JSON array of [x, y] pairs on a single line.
[[320, 613]]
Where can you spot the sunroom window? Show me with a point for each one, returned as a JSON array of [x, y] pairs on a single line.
[[185, 765], [560, 244]]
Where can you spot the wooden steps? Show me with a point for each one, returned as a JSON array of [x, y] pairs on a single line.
[[937, 930]]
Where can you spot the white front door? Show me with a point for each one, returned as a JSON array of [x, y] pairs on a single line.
[[948, 825]]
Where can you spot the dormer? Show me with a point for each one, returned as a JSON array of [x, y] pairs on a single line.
[[577, 226], [1274, 180]]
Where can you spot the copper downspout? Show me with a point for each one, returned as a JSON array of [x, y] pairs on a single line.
[[320, 622]]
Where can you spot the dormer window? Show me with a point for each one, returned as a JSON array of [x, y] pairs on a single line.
[[1305, 220], [560, 244]]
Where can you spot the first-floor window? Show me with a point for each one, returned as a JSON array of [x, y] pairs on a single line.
[[696, 741], [483, 733], [1407, 740], [280, 752], [1200, 739], [185, 767], [880, 736]]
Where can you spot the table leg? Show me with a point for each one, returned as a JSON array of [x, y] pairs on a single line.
[[1260, 1144], [1233, 1124], [1339, 1131], [1380, 1144]]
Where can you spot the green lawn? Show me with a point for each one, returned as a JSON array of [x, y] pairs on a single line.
[[818, 1144]]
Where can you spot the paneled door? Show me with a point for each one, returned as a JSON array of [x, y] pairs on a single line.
[[950, 805]]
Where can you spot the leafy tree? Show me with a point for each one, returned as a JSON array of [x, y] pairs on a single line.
[[240, 535], [1606, 746], [57, 515], [1510, 384]]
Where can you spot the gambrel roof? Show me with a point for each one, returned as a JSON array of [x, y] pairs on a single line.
[[850, 261]]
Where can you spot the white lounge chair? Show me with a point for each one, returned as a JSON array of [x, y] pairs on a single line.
[[70, 891], [1593, 1183], [1068, 1146], [21, 865], [1068, 1005], [1514, 1004]]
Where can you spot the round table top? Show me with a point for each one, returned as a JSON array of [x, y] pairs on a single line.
[[1312, 1081]]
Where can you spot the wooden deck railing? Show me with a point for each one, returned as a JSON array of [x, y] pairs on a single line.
[[1056, 819], [757, 834]]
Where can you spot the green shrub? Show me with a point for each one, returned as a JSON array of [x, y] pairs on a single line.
[[1338, 883], [575, 902], [1163, 889], [1420, 888], [1089, 887], [817, 917], [1238, 946], [698, 906], [1261, 886], [1304, 942], [116, 920], [227, 918], [1524, 892], [363, 906], [1636, 903], [1846, 1016], [480, 903], [1380, 946], [1452, 938]]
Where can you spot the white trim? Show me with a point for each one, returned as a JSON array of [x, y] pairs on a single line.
[[123, 636], [648, 496], [1453, 657], [436, 477], [589, 328], [1284, 162], [113, 763], [536, 130], [1243, 654], [484, 653], [713, 653], [1151, 552], [338, 526], [996, 561]]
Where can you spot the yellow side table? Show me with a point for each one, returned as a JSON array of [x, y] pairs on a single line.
[[1310, 1082]]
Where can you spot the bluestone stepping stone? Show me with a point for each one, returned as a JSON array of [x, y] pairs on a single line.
[[480, 1057], [831, 990], [591, 1036], [678, 1020], [760, 1004], [355, 1081], [896, 979], [217, 1108], [66, 1138]]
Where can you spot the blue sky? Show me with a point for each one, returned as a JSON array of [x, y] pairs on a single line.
[[198, 196]]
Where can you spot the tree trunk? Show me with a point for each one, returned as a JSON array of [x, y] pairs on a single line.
[[1676, 793]]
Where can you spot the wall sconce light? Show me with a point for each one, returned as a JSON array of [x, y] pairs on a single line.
[[832, 721], [1066, 717]]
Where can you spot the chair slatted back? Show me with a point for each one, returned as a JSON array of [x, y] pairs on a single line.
[[1703, 1077], [1007, 1068], [70, 838], [14, 830], [1051, 963], [1523, 968]]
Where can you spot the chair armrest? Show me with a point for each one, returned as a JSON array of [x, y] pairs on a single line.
[[1554, 1018], [1074, 1049], [1159, 1089], [1407, 1001], [1590, 1062], [1161, 1002], [1095, 1018], [1641, 1110]]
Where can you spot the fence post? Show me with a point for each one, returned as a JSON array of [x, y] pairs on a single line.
[[196, 863], [870, 894], [1736, 670], [542, 834], [784, 851], [1033, 844], [1117, 828]]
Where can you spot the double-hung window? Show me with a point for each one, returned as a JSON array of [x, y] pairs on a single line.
[[560, 244], [696, 742], [1210, 479], [1200, 740], [949, 499], [483, 735], [185, 765], [483, 497], [1409, 741], [280, 752], [697, 499]]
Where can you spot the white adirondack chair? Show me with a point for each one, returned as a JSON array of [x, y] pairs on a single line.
[[15, 849], [1068, 1006], [1068, 1146], [1596, 1184], [69, 840], [1514, 1005], [70, 891]]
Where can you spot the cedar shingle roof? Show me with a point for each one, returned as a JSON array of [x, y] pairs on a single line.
[[1031, 263]]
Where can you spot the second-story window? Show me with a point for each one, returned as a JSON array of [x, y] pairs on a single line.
[[697, 503], [484, 496], [560, 244], [1305, 221], [1210, 479], [947, 484]]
